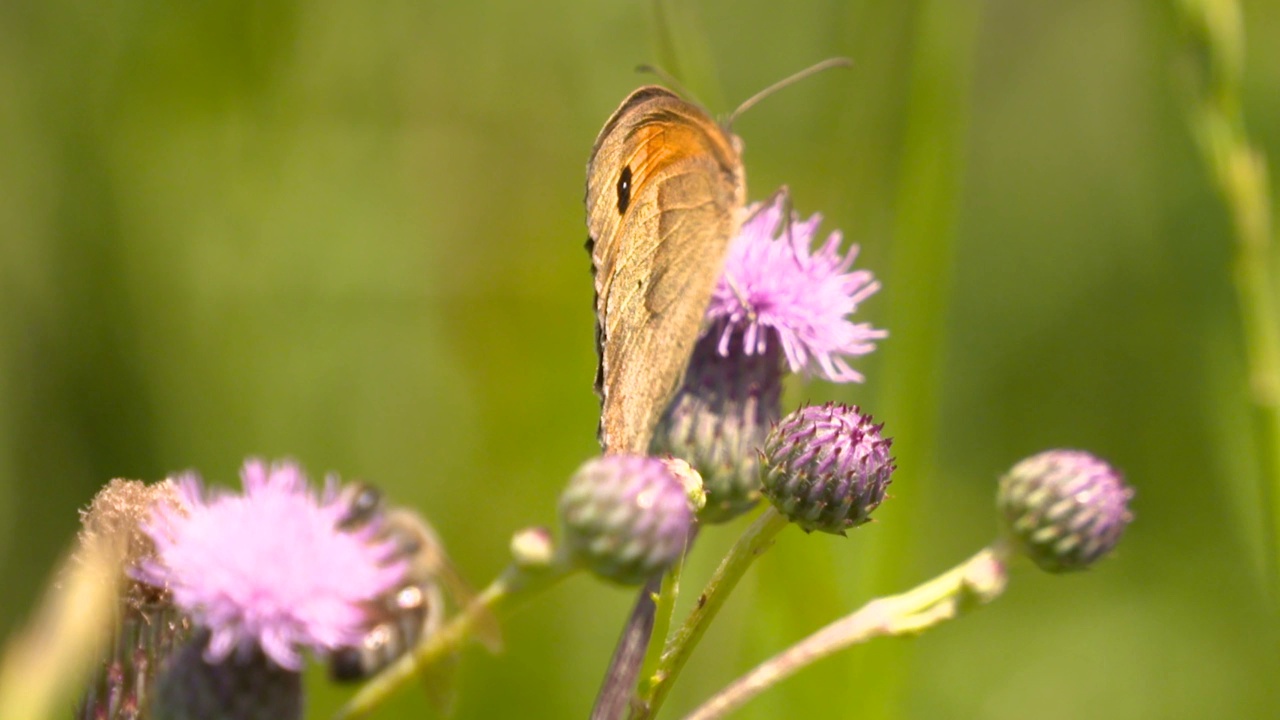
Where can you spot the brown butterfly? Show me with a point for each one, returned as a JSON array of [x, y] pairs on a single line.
[[665, 193]]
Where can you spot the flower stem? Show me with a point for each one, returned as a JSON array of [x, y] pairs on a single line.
[[755, 540], [977, 581], [515, 582], [618, 688], [1239, 169], [666, 602]]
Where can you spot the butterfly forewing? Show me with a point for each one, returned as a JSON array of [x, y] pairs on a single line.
[[665, 191]]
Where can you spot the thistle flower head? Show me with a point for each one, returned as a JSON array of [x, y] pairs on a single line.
[[827, 467], [625, 517], [270, 569], [776, 288], [1065, 509]]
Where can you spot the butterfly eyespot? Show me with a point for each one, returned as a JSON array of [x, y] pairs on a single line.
[[624, 189]]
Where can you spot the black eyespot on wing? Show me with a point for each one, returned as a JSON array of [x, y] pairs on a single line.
[[624, 189]]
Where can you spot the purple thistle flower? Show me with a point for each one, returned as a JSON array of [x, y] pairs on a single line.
[[271, 568], [776, 288]]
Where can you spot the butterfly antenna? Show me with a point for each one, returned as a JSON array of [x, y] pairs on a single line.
[[811, 70]]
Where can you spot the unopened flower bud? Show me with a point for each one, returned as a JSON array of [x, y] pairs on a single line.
[[827, 467], [625, 517], [533, 548], [719, 420], [1064, 509]]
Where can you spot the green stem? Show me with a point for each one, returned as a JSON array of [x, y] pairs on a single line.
[[754, 541], [977, 581], [1239, 169], [666, 607], [515, 582]]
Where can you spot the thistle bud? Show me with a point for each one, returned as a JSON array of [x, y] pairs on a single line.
[[625, 517], [719, 420], [1064, 509], [533, 548], [827, 467]]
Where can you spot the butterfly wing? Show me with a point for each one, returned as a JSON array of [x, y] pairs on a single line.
[[665, 190]]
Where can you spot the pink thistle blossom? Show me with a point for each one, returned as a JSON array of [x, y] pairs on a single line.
[[775, 288], [272, 567]]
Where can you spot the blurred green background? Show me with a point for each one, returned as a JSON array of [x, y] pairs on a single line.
[[352, 233]]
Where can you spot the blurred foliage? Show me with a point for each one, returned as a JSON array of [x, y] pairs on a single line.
[[352, 234]]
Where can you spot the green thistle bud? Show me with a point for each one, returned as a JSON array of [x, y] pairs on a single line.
[[826, 468], [1064, 509], [625, 518], [719, 420]]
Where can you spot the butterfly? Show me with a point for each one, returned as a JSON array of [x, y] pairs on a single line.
[[665, 194]]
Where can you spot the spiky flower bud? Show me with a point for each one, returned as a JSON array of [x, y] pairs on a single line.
[[827, 467], [719, 420], [625, 517], [1064, 509]]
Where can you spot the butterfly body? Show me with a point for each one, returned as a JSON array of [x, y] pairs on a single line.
[[665, 194]]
